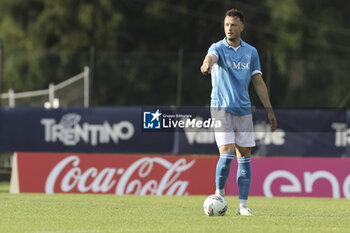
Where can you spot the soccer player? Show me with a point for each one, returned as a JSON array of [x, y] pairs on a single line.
[[232, 64]]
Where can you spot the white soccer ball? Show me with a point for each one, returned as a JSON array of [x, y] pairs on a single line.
[[215, 205]]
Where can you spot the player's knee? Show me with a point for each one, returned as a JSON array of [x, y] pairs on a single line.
[[244, 151], [229, 148]]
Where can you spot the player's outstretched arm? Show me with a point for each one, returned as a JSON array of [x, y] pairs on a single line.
[[208, 62], [261, 91]]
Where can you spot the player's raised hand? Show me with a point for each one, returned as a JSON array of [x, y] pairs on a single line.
[[205, 68]]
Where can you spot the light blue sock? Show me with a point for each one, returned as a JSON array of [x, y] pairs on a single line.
[[223, 169], [244, 175]]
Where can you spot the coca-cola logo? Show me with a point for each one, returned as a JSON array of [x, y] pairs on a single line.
[[141, 177]]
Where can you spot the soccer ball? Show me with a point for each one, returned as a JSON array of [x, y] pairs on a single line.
[[215, 205]]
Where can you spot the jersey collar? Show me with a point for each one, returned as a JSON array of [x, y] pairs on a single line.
[[229, 46]]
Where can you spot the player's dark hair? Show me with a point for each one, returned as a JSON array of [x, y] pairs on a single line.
[[235, 13]]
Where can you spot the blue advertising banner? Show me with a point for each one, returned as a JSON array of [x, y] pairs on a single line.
[[185, 130], [299, 133], [100, 129]]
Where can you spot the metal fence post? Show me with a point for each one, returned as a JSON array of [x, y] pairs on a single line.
[[51, 93], [86, 86], [92, 71], [11, 98]]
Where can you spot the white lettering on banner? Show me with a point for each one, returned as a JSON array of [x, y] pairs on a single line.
[[104, 180], [200, 137], [262, 133], [309, 180], [295, 187], [342, 134], [70, 133], [265, 136], [346, 187]]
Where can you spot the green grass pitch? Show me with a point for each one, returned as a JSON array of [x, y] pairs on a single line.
[[75, 213]]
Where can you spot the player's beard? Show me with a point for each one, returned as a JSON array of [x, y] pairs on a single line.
[[233, 39]]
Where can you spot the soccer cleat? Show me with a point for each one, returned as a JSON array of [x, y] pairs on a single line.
[[245, 212]]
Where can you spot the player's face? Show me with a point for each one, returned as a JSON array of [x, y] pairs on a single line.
[[233, 27]]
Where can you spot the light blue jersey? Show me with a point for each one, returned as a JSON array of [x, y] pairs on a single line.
[[231, 76]]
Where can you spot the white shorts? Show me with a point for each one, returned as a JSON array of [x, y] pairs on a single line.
[[234, 129]]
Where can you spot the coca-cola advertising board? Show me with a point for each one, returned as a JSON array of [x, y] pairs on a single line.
[[113, 174], [175, 175]]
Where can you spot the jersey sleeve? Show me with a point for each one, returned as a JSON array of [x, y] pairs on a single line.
[[255, 63], [213, 50]]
